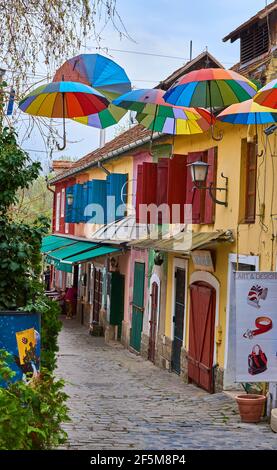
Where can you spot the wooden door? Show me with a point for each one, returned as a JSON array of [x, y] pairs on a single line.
[[178, 319], [138, 306], [153, 321], [97, 295], [201, 335]]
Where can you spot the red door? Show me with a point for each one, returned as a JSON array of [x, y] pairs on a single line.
[[153, 322], [201, 335]]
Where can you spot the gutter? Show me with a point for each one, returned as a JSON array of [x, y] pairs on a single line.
[[114, 153]]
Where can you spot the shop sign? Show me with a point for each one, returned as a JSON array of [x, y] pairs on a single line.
[[202, 260], [256, 326]]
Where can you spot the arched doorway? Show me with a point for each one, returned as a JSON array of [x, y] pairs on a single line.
[[201, 334]]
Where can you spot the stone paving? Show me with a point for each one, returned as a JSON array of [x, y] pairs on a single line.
[[119, 401]]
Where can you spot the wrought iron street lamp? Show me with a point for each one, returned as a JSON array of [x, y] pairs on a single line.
[[199, 173]]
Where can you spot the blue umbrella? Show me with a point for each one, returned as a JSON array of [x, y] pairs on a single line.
[[95, 70]]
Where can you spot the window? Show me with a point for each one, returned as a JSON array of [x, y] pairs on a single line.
[[63, 202], [251, 180], [254, 42], [58, 211]]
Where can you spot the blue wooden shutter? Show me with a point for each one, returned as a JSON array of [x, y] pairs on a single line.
[[68, 209], [84, 196], [97, 194], [77, 203], [116, 187]]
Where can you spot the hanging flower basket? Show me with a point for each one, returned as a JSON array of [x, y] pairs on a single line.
[[251, 407]]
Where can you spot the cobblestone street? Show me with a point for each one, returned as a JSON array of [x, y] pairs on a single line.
[[119, 401]]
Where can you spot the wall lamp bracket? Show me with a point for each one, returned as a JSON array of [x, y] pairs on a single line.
[[212, 191]]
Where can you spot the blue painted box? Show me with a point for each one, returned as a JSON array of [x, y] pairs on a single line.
[[20, 336]]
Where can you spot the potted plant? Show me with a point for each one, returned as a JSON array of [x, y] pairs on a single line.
[[251, 407]]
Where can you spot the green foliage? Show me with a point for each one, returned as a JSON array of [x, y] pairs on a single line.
[[50, 328], [17, 171], [35, 201], [31, 415], [19, 241]]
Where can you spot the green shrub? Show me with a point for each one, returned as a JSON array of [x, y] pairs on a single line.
[[31, 414]]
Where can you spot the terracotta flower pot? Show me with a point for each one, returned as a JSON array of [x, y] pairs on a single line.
[[250, 407]]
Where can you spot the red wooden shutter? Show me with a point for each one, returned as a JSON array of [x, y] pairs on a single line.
[[251, 180], [193, 196], [138, 191], [209, 208], [176, 193], [162, 185], [149, 183], [149, 186], [162, 181]]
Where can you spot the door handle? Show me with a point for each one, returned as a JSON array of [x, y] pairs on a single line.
[[141, 309]]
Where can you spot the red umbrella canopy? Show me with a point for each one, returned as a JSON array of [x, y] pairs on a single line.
[[210, 88], [267, 96]]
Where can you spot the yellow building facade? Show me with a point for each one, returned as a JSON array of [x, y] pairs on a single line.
[[253, 246]]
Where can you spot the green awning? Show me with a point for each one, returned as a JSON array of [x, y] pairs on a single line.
[[71, 250], [66, 264], [52, 242], [100, 251], [64, 252]]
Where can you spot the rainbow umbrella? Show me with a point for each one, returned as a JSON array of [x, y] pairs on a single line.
[[95, 70], [267, 96], [63, 100], [169, 125], [107, 117], [151, 101], [210, 88], [248, 112]]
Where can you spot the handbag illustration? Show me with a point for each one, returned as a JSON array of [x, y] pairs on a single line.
[[255, 294], [257, 360]]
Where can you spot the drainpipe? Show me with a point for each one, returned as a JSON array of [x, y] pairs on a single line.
[[48, 186], [100, 165]]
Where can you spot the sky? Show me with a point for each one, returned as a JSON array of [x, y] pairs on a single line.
[[162, 27]]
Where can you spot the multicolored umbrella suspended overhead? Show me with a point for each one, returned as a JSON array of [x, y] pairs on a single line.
[[169, 125], [106, 118], [248, 113], [63, 100], [267, 96], [210, 88], [151, 101], [95, 70]]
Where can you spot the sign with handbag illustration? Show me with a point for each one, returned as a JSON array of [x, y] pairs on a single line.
[[256, 335], [257, 360]]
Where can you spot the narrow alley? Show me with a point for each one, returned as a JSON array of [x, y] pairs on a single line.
[[119, 401]]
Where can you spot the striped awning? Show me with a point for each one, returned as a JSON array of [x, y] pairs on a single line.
[[184, 242]]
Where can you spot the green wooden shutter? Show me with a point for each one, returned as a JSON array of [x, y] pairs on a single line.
[[138, 306]]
